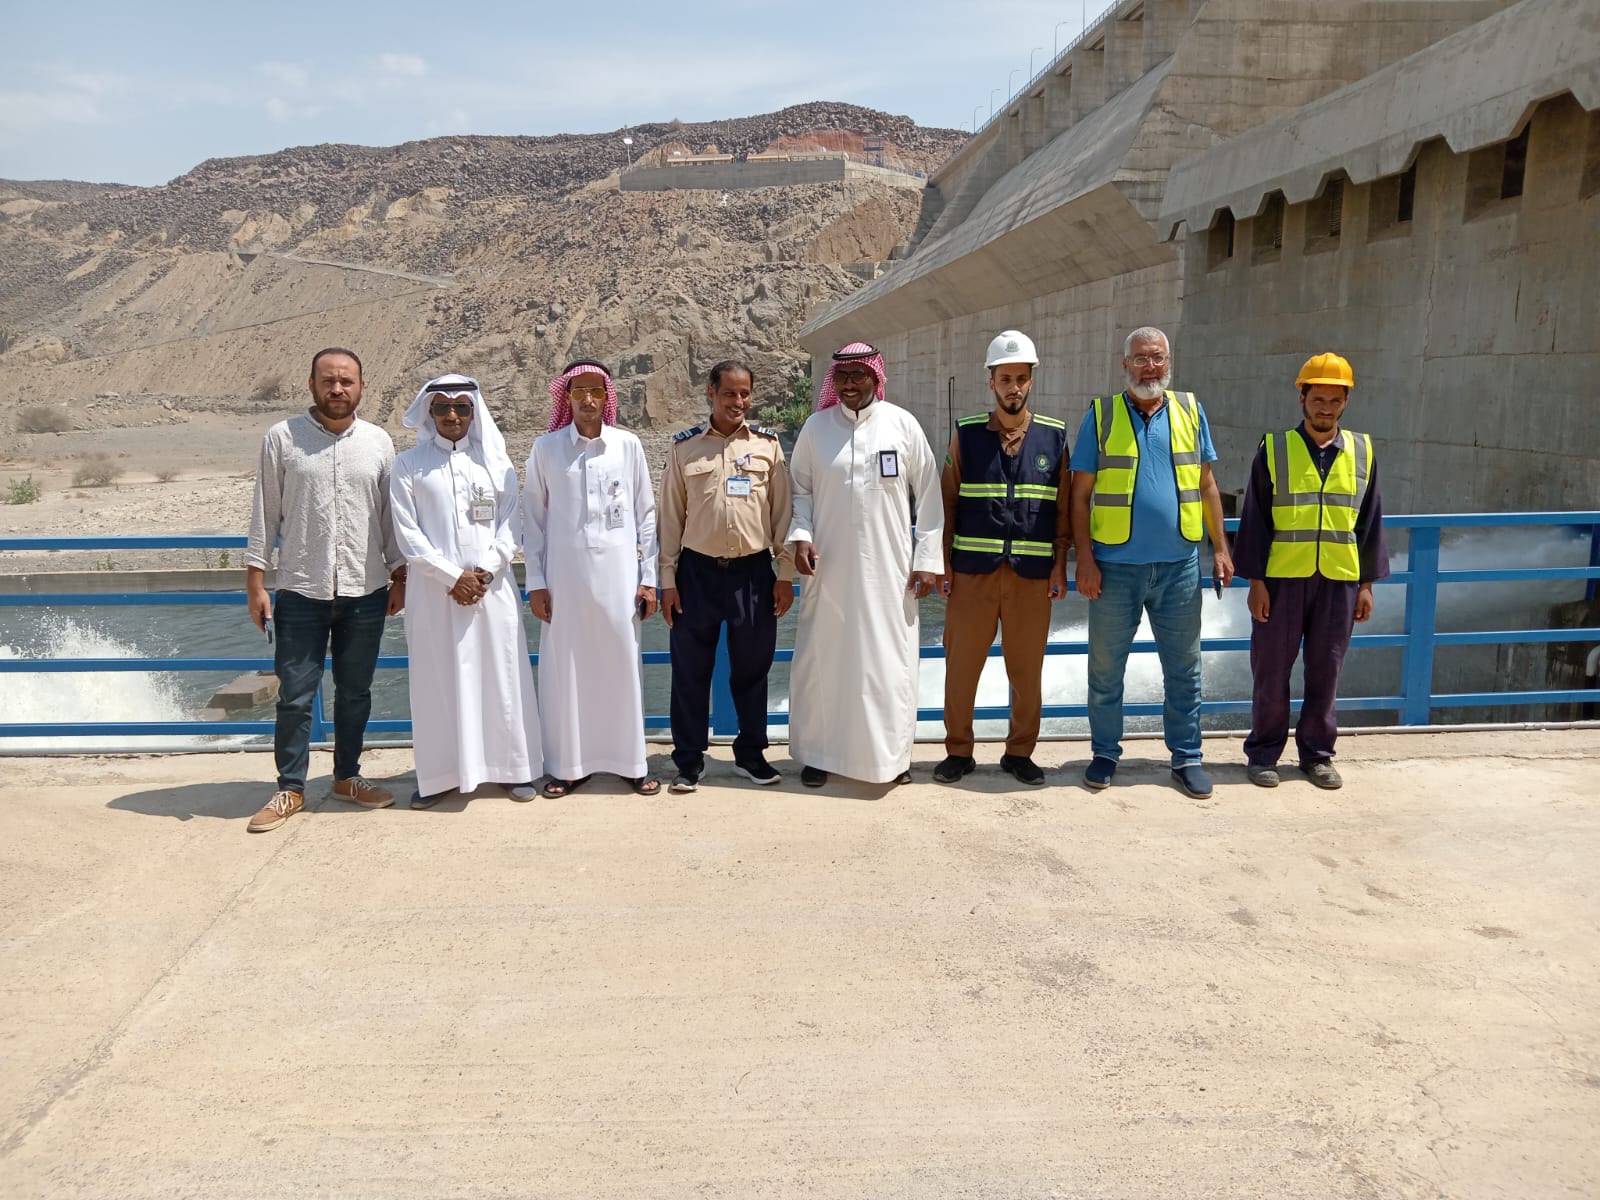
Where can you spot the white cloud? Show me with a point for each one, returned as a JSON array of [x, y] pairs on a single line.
[[28, 112], [280, 110], [409, 65], [455, 121], [289, 75]]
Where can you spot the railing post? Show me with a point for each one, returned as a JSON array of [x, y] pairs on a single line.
[[724, 721], [1594, 561], [1422, 606], [319, 722]]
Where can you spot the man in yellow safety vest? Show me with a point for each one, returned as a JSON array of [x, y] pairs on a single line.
[[1143, 497], [1311, 543]]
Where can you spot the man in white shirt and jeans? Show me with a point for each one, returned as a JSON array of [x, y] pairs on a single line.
[[322, 498]]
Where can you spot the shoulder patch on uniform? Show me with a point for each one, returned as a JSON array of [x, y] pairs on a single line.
[[764, 432], [689, 433], [973, 419], [1050, 421]]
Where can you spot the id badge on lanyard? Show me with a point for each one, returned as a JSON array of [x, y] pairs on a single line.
[[615, 512], [481, 508], [740, 485]]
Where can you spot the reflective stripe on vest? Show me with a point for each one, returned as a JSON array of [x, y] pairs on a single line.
[[1117, 473], [981, 545], [1314, 519]]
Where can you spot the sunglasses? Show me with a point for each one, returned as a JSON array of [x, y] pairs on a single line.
[[592, 393], [443, 408]]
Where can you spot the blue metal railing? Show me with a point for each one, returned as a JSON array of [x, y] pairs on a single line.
[[1415, 702]]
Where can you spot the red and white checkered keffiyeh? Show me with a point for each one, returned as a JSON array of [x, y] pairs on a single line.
[[855, 352], [561, 408]]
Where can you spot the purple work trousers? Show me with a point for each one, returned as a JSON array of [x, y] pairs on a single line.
[[1321, 613]]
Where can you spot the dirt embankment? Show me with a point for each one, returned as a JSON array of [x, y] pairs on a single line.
[[167, 327]]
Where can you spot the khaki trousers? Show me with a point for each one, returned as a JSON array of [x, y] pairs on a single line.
[[979, 604]]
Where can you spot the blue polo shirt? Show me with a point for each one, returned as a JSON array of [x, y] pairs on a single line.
[[1155, 537]]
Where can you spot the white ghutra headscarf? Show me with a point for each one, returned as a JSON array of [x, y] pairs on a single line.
[[483, 432]]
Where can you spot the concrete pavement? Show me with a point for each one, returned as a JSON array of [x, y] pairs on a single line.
[[980, 991]]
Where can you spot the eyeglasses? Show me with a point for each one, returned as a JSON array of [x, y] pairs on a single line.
[[854, 378], [1149, 360], [579, 393], [443, 408]]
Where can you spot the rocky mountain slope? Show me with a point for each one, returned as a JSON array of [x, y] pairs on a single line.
[[502, 257]]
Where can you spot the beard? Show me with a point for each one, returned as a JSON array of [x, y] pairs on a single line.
[[1149, 391]]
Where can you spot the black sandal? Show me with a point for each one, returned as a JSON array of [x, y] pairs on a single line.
[[645, 786], [555, 789]]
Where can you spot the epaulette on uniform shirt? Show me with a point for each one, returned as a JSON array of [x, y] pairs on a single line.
[[763, 431], [689, 433]]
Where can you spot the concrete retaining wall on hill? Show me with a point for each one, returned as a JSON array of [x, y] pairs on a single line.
[[730, 176]]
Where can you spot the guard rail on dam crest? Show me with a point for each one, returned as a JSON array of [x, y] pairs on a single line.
[[1418, 639]]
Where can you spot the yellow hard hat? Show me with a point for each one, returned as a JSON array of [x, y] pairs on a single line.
[[1326, 367]]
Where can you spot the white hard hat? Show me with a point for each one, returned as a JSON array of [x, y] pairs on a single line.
[[1011, 347]]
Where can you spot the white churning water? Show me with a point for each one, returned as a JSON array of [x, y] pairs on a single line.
[[27, 698]]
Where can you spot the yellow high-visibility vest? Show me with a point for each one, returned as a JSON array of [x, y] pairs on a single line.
[[1111, 518], [1314, 519]]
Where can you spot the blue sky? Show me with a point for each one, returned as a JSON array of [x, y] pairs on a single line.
[[139, 93]]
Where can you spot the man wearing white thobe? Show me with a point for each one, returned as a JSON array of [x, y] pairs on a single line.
[[859, 466], [454, 499], [589, 537]]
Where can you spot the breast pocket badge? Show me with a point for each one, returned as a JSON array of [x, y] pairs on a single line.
[[888, 464]]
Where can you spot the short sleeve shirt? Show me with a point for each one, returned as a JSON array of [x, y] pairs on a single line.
[[1155, 537]]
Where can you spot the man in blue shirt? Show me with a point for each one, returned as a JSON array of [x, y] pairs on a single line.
[[1142, 489]]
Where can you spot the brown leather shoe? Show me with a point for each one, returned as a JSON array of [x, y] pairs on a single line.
[[358, 791], [279, 809]]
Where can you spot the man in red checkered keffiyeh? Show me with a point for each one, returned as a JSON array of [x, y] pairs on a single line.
[[561, 387], [861, 467], [850, 362]]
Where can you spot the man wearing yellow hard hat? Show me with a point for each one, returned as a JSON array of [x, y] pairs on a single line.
[[1311, 543]]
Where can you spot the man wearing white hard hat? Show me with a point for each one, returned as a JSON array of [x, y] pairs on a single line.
[[454, 498], [1311, 544], [1007, 529]]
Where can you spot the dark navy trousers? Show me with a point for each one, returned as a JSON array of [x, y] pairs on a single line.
[[740, 596], [1315, 613], [307, 628]]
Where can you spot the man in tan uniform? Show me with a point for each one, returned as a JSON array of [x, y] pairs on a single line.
[[1007, 529], [722, 521]]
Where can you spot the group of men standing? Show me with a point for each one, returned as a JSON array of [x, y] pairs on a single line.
[[862, 513]]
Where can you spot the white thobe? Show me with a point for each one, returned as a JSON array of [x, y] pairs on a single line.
[[589, 536], [473, 713], [853, 685]]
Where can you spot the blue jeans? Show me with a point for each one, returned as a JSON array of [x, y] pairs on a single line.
[[305, 628], [1170, 593]]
